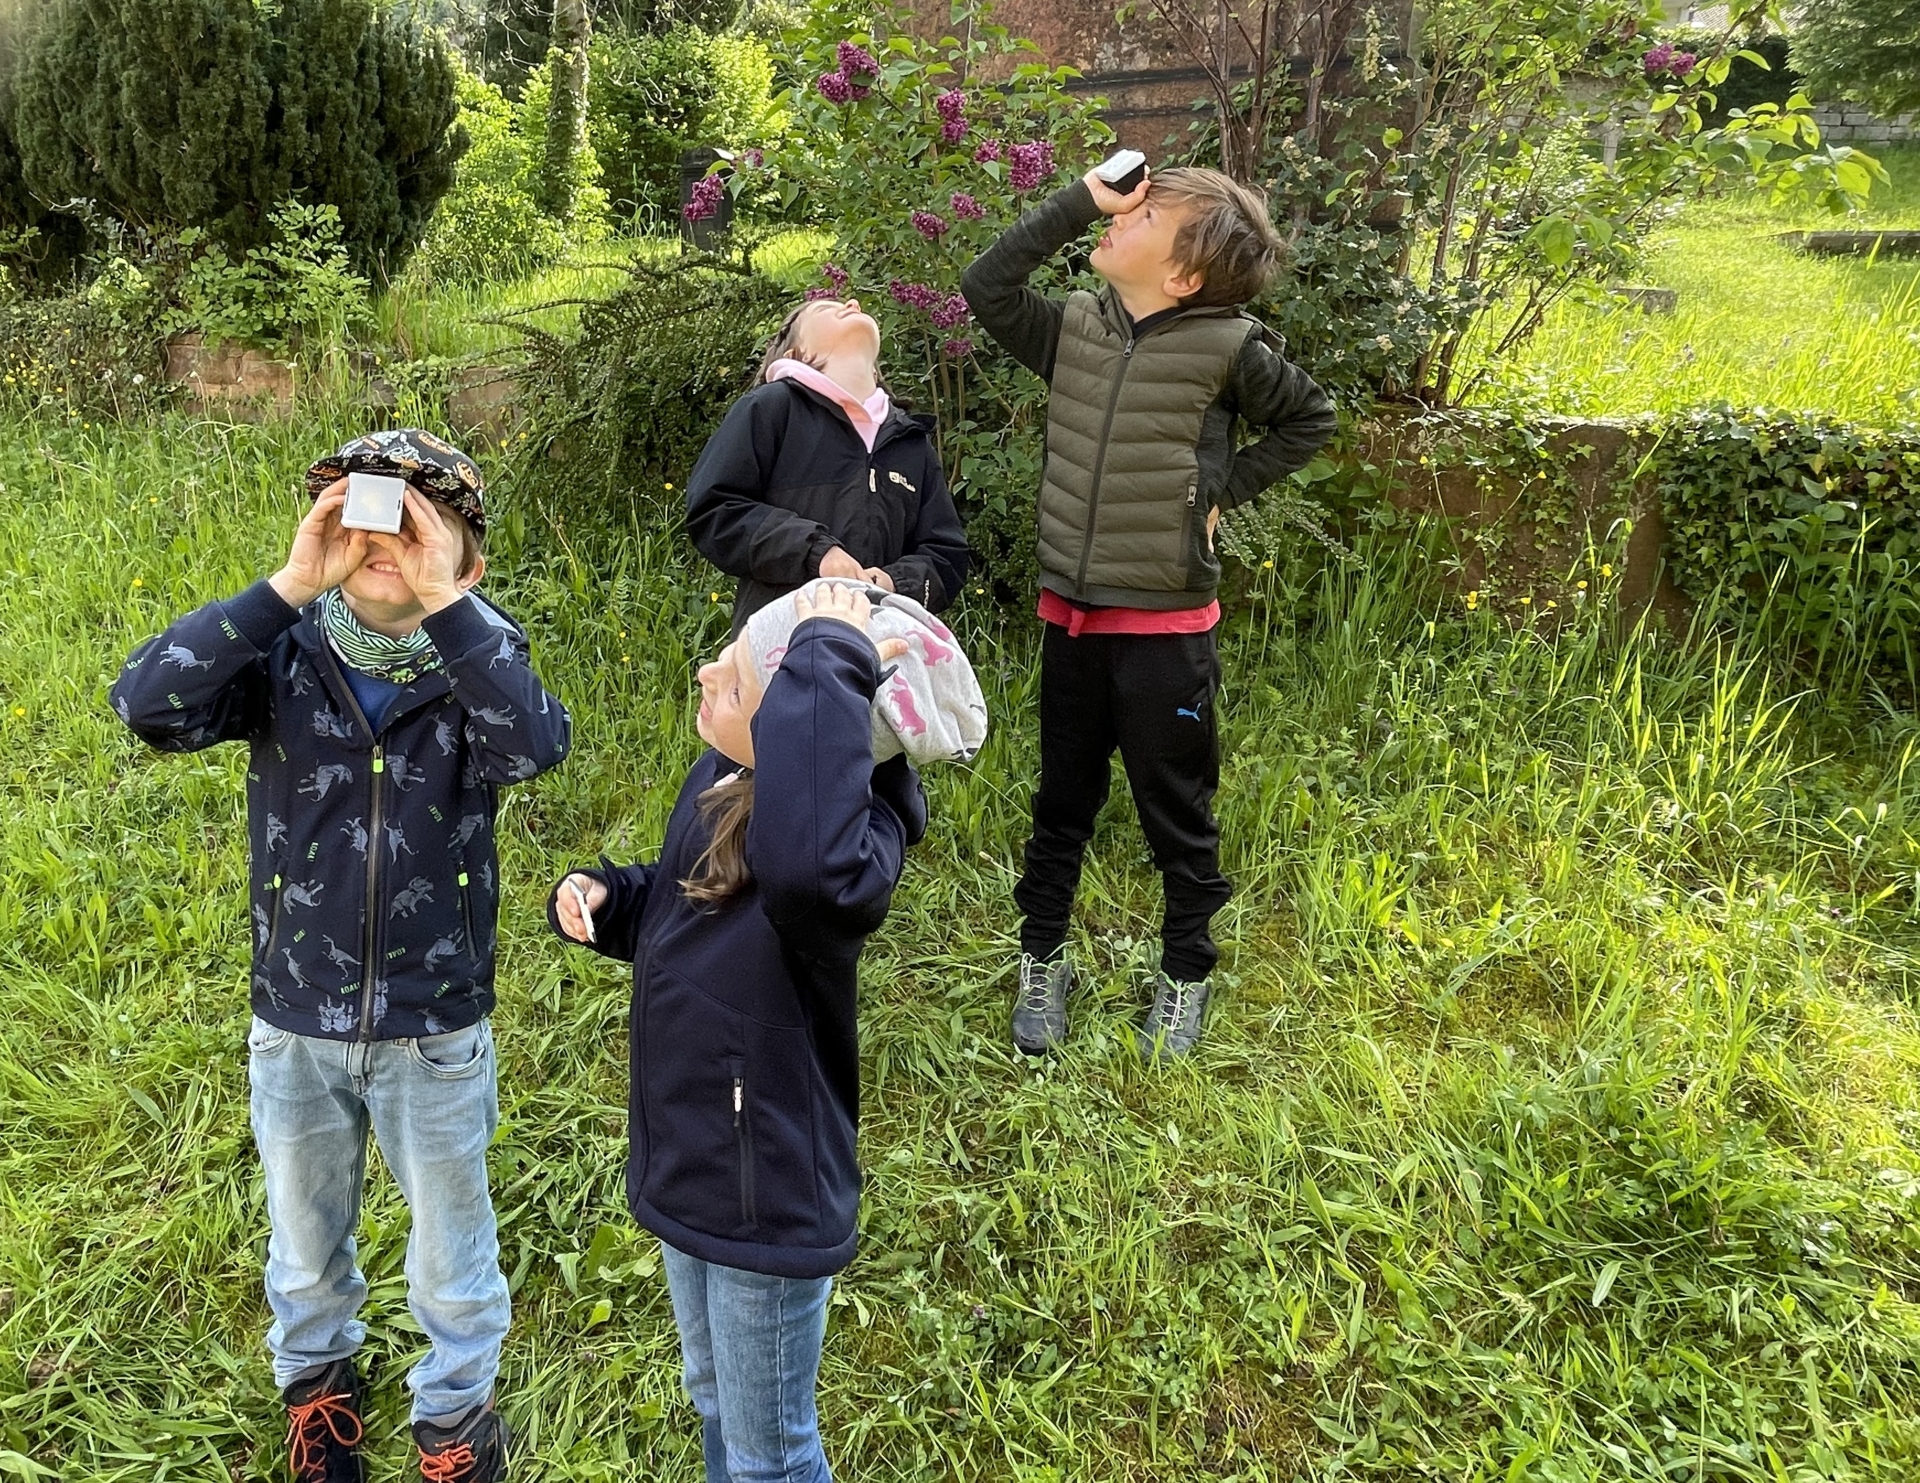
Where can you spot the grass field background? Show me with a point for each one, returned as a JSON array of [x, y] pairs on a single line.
[[1560, 1117]]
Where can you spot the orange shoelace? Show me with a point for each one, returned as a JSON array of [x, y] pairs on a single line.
[[309, 1425], [447, 1466]]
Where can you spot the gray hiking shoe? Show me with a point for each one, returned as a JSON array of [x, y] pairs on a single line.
[[1040, 1011], [1173, 1024]]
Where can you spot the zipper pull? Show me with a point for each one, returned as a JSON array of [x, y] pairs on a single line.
[[1127, 354], [873, 486], [736, 1101], [379, 758], [1192, 495]]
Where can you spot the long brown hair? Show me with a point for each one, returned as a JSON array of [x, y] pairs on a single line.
[[781, 346], [721, 871]]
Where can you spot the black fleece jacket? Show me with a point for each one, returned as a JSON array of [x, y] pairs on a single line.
[[785, 479], [1273, 397], [745, 1048]]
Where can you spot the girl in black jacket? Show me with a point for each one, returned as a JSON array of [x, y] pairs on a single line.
[[745, 936], [814, 473]]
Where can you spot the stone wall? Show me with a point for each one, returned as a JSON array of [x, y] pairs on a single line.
[[1851, 124]]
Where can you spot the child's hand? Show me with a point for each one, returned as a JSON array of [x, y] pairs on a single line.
[[878, 577], [1110, 202], [324, 552], [836, 563], [427, 551], [567, 904], [1213, 524], [846, 605]]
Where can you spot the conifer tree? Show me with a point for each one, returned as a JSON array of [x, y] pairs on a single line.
[[209, 113]]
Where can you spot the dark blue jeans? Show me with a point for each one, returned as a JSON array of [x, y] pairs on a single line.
[[752, 1349]]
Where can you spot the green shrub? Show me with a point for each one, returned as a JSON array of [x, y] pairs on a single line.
[[652, 97], [1805, 529], [490, 226], [285, 294], [207, 114], [622, 408]]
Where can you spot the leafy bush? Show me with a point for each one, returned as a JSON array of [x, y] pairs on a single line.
[[294, 290], [207, 114], [1808, 530], [623, 406], [490, 225], [96, 351], [653, 97], [1865, 50], [917, 153], [1747, 84]]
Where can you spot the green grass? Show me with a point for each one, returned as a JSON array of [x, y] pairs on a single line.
[[415, 318], [1758, 323], [1560, 1118]]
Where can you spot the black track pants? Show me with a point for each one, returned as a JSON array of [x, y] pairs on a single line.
[[1150, 695]]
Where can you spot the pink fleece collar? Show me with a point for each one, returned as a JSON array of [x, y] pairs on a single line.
[[866, 416]]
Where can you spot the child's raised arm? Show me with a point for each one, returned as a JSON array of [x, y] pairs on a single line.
[[204, 680], [516, 728], [822, 848]]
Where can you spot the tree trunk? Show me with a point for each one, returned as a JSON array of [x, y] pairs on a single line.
[[566, 106]]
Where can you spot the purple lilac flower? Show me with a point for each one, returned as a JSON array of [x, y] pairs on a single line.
[[819, 293], [989, 151], [966, 208], [755, 159], [950, 313], [835, 275], [834, 87], [704, 201], [952, 108], [913, 295], [958, 349], [855, 61], [1030, 164], [932, 227], [1682, 63]]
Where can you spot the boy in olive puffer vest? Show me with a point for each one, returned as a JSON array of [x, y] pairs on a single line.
[[1148, 378]]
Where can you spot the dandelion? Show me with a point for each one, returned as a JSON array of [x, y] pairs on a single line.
[[19, 710], [1266, 566], [1526, 602], [1606, 569], [1582, 586], [666, 486], [713, 597], [138, 582], [1473, 600]]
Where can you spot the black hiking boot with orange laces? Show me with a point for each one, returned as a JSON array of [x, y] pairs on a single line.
[[475, 1451], [324, 1426]]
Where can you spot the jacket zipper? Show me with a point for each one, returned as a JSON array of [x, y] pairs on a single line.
[[370, 947], [1099, 468], [743, 1141], [466, 913], [273, 925]]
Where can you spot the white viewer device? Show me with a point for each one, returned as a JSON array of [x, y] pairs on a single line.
[[374, 502], [1122, 171]]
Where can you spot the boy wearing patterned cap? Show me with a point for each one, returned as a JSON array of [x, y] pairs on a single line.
[[385, 703]]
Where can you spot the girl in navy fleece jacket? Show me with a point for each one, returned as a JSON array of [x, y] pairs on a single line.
[[780, 858]]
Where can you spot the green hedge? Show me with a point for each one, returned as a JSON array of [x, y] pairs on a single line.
[[1804, 528]]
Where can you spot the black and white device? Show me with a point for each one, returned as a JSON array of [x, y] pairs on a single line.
[[374, 502], [1122, 171]]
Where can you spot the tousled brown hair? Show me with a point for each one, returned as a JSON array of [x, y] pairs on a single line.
[[1225, 235], [721, 871], [470, 542]]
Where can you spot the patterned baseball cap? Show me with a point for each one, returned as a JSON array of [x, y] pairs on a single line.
[[431, 465]]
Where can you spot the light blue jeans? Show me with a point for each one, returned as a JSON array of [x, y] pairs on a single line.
[[752, 1351], [433, 1105]]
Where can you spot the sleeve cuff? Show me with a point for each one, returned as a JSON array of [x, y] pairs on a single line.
[[458, 628], [260, 615]]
